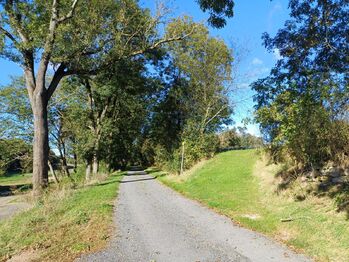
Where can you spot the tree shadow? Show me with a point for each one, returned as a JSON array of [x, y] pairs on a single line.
[[10, 190], [137, 180], [334, 185], [339, 192], [153, 170]]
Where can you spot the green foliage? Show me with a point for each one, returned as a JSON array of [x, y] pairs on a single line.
[[302, 107], [234, 139], [194, 104], [16, 155], [217, 9], [15, 113]]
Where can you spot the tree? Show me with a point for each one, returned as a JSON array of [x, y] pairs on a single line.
[[194, 103], [217, 10], [59, 35], [15, 155], [207, 63], [302, 104], [15, 114]]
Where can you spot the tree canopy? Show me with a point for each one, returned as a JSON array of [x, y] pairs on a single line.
[[302, 105]]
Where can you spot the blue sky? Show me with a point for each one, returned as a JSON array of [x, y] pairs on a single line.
[[252, 18]]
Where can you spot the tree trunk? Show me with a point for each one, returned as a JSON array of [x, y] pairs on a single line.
[[40, 145], [88, 170], [55, 178], [65, 166], [75, 162], [95, 164]]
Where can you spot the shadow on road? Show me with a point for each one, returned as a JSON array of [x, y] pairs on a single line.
[[10, 190], [138, 180]]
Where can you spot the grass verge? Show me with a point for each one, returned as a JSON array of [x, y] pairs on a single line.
[[242, 187], [15, 179], [65, 224]]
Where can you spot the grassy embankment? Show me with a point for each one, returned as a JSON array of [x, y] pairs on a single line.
[[66, 223], [242, 187]]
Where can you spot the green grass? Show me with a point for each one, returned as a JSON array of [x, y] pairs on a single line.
[[65, 224], [15, 179], [231, 184]]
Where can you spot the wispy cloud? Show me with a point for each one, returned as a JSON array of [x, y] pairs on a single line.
[[275, 9], [257, 61]]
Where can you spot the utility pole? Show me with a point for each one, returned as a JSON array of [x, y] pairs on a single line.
[[182, 160]]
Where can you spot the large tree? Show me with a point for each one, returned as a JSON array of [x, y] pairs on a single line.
[[69, 37], [302, 106], [194, 103]]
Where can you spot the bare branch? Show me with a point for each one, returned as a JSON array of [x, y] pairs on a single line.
[[216, 114], [161, 42]]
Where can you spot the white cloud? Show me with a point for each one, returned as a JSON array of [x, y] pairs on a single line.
[[253, 129], [257, 72], [275, 9], [276, 53], [244, 85], [257, 61]]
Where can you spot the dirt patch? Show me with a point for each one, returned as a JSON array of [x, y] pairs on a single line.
[[251, 216], [25, 256]]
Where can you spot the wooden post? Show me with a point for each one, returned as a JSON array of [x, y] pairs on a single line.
[[182, 160]]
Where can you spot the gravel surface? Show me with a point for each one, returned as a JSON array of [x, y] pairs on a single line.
[[11, 205], [154, 223]]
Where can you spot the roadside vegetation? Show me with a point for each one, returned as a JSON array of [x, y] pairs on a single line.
[[65, 223], [109, 84], [243, 186], [302, 106]]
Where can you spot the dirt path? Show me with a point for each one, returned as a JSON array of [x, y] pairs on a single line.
[[10, 205], [154, 223]]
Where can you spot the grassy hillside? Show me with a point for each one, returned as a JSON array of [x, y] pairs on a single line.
[[63, 225], [242, 187]]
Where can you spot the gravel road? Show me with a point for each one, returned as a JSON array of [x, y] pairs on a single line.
[[154, 223], [11, 205]]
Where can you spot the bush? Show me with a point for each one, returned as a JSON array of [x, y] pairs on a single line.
[[16, 155], [195, 149]]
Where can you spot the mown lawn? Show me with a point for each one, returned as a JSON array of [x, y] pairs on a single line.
[[65, 224], [232, 184], [15, 179]]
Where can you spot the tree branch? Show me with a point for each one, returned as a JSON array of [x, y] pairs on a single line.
[[159, 43], [70, 14], [15, 21], [9, 35], [216, 114], [59, 74], [50, 39]]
